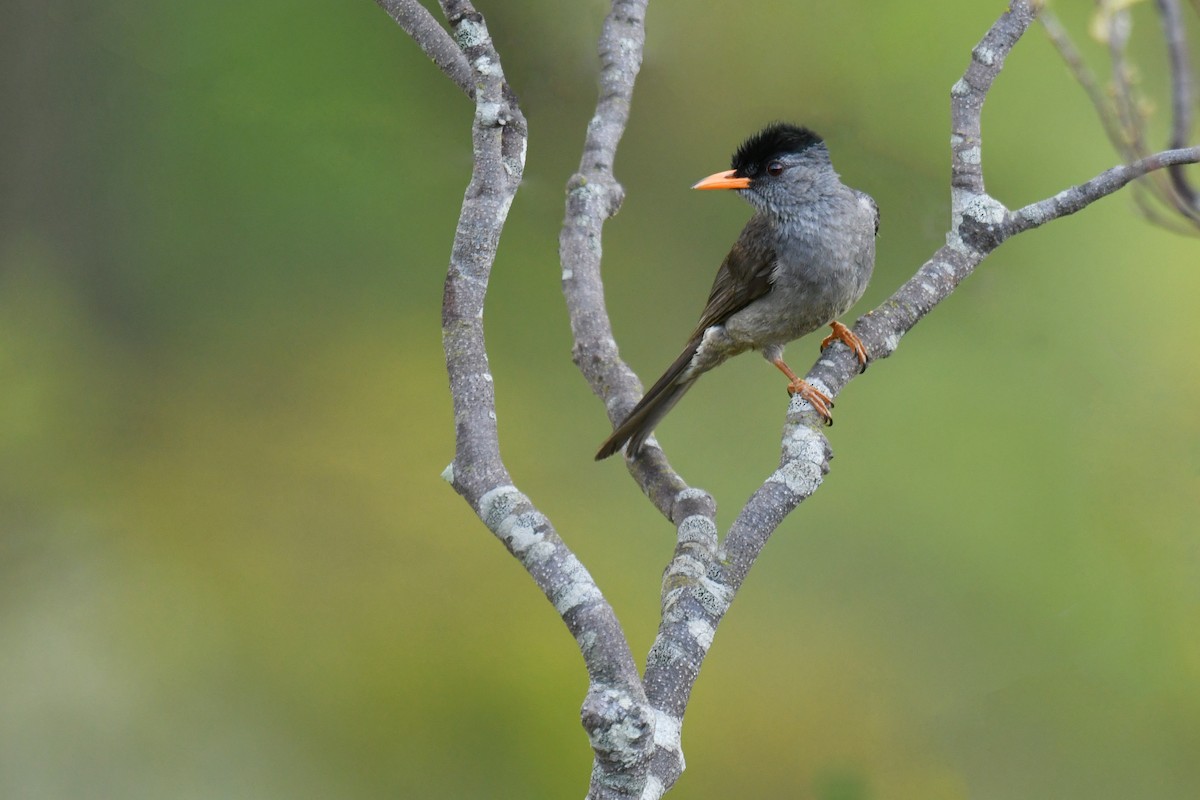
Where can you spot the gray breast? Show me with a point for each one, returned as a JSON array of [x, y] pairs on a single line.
[[823, 265]]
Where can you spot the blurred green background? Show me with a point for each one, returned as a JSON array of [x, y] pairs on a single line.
[[228, 565]]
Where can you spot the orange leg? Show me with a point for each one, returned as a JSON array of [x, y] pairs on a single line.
[[843, 334], [820, 401]]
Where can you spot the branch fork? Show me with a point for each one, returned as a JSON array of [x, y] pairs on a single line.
[[634, 722]]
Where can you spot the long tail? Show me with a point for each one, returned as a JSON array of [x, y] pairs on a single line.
[[650, 410]]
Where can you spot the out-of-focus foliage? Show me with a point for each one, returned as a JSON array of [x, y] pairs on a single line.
[[228, 567]]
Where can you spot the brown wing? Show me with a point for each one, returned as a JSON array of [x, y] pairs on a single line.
[[745, 275]]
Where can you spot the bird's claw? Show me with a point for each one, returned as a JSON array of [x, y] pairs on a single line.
[[849, 338], [820, 401]]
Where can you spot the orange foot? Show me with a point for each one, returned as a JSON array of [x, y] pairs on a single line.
[[820, 401], [843, 334]]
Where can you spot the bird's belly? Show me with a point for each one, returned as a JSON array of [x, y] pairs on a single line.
[[788, 312]]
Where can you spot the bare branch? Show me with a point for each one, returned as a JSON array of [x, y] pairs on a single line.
[[418, 23], [692, 605], [802, 466], [1126, 101], [615, 714], [987, 59], [1082, 73], [1166, 199], [1078, 197], [499, 144], [593, 196], [1182, 98]]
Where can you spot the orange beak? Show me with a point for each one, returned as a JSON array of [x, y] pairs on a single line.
[[723, 180]]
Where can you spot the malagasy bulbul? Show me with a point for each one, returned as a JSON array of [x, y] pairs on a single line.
[[802, 260]]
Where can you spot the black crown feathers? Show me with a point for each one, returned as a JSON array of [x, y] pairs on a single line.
[[773, 140]]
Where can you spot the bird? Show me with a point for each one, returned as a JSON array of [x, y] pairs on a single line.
[[802, 260]]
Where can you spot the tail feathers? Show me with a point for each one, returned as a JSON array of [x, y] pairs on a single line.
[[654, 405]]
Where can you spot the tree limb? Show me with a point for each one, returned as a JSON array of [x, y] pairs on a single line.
[[1079, 197], [615, 714], [593, 196], [431, 37]]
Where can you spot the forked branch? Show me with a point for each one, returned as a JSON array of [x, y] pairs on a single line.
[[615, 713], [634, 723]]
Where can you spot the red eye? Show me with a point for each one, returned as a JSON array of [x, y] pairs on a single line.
[[775, 169]]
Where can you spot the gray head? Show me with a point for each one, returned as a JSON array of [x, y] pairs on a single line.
[[786, 166]]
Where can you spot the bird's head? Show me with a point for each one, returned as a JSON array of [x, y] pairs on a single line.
[[777, 169]]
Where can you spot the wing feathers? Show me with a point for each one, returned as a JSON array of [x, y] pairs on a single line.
[[653, 406]]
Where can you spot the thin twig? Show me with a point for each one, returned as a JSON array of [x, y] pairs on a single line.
[[1083, 75], [1076, 198], [1182, 100], [1165, 199], [1125, 99], [418, 23]]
